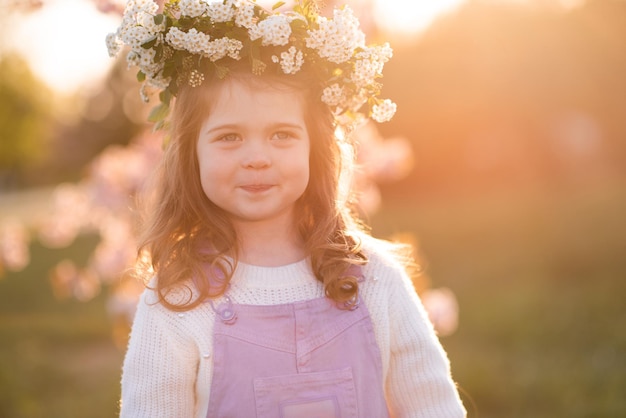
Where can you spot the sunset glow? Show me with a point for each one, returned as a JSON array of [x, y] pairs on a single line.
[[64, 43], [64, 40], [402, 16]]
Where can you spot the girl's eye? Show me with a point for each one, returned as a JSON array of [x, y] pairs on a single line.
[[281, 135], [228, 138]]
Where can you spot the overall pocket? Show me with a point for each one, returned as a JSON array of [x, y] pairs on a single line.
[[328, 394]]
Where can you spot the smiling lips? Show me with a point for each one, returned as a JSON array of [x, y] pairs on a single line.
[[256, 188]]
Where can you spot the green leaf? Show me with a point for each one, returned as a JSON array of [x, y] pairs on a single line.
[[158, 19], [168, 70], [204, 65], [255, 49], [221, 71], [186, 22], [159, 125], [167, 137], [173, 87], [179, 56], [277, 5], [204, 24], [298, 26], [141, 77], [149, 44], [159, 113], [158, 54], [165, 96]]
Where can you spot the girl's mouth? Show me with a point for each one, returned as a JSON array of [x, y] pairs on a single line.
[[256, 188]]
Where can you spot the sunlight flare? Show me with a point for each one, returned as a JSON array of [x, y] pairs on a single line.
[[63, 43], [414, 16]]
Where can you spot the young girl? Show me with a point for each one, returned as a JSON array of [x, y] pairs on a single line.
[[268, 298]]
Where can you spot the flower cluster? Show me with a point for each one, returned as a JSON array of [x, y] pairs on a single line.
[[384, 111], [189, 39], [201, 44], [274, 30], [337, 39]]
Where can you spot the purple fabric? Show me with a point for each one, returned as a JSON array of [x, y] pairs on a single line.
[[306, 359]]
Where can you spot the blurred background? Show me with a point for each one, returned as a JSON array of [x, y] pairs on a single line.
[[505, 166]]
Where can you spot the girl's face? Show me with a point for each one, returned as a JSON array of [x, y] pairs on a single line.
[[253, 151]]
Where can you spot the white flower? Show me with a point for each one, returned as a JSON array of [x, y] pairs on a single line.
[[364, 72], [220, 12], [255, 32], [196, 78], [197, 42], [114, 44], [158, 82], [333, 95], [234, 47], [384, 111], [328, 42], [176, 38], [192, 8], [369, 64], [132, 59], [275, 30], [135, 36], [337, 39], [133, 7], [200, 43], [376, 52], [144, 92], [146, 60], [244, 15], [147, 21], [291, 60], [222, 47]]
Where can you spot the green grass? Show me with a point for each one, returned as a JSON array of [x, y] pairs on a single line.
[[540, 279], [57, 358], [540, 283]]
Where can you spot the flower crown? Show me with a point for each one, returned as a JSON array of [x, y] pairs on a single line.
[[192, 38]]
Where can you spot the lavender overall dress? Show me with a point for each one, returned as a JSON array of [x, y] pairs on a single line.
[[307, 359]]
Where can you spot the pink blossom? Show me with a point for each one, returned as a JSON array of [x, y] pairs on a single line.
[[14, 241], [442, 308]]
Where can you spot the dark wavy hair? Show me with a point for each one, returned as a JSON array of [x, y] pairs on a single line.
[[186, 236]]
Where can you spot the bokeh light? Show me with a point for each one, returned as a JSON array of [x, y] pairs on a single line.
[[506, 162]]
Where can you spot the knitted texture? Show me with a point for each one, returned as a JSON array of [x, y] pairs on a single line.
[[168, 366]]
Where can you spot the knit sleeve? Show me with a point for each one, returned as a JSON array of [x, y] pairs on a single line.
[[419, 383], [160, 367]]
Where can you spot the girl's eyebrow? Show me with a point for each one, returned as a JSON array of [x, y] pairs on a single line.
[[291, 125], [222, 127], [274, 126]]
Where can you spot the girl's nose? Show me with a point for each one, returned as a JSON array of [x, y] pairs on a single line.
[[256, 155]]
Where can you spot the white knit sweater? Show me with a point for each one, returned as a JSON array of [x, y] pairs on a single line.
[[169, 365]]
